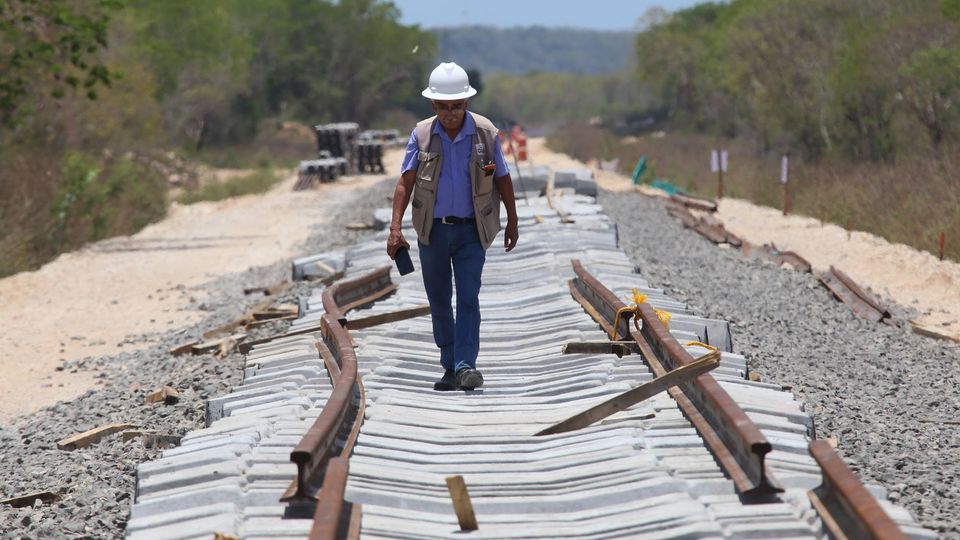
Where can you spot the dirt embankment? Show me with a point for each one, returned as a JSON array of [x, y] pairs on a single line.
[[113, 295]]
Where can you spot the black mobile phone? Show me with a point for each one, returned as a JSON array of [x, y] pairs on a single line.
[[402, 258]]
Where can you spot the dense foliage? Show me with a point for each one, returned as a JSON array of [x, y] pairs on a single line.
[[54, 41], [526, 49], [863, 79], [96, 97]]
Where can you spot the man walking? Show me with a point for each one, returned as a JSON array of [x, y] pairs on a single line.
[[455, 172]]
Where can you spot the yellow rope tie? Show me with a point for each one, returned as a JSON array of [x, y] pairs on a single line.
[[664, 317], [700, 344], [638, 298]]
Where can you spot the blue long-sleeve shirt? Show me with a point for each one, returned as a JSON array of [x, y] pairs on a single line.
[[454, 197]]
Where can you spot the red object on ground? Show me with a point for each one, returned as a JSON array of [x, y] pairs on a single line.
[[520, 138]]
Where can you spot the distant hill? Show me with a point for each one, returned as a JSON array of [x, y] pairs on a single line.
[[521, 50]]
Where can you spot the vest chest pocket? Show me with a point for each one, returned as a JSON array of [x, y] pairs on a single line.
[[428, 170], [484, 180]]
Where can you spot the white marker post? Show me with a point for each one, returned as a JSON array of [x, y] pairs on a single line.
[[784, 179], [718, 164]]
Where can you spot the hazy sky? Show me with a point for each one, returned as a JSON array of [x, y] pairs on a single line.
[[596, 14]]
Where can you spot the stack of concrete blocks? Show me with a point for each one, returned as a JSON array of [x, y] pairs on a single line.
[[369, 154], [581, 181], [337, 139], [389, 137], [324, 170]]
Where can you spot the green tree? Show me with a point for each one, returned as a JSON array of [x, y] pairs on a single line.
[[930, 88], [199, 53], [55, 42]]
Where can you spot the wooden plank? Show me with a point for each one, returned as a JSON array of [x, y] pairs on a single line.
[[258, 324], [246, 346], [167, 394], [697, 203], [633, 396], [619, 348], [272, 290], [85, 439], [239, 321], [384, 318], [358, 226], [22, 501], [210, 346], [183, 349], [370, 298], [461, 503], [851, 294], [932, 331], [274, 312]]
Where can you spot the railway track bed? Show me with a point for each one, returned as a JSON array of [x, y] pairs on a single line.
[[642, 472]]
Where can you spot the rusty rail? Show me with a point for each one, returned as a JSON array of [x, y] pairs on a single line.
[[847, 290], [708, 226], [318, 444], [343, 296], [327, 520], [735, 441], [315, 455], [844, 504]]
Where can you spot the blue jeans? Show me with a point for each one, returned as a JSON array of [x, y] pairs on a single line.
[[459, 245]]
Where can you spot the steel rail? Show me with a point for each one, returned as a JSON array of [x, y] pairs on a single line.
[[844, 504], [847, 290], [735, 441], [318, 443], [314, 454], [343, 296]]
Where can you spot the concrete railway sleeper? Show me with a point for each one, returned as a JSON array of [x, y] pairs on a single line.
[[643, 472], [842, 501]]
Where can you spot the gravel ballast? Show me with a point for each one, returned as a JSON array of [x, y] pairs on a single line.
[[96, 484], [890, 397], [883, 392]]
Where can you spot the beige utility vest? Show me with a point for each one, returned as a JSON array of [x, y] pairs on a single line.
[[486, 197]]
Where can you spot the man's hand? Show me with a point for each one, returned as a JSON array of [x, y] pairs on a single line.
[[395, 242], [510, 236]]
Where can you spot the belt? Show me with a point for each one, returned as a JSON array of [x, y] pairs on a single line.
[[454, 220]]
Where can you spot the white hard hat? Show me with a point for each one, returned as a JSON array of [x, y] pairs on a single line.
[[449, 82]]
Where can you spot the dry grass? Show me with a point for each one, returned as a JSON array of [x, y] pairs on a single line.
[[909, 202]]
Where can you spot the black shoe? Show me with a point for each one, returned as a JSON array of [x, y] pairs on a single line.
[[469, 378], [446, 383]]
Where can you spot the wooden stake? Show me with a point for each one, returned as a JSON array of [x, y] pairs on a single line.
[[719, 182], [786, 198], [942, 243], [22, 501], [167, 394], [461, 503], [82, 440], [635, 395]]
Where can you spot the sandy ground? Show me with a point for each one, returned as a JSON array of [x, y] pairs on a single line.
[[106, 297], [894, 272], [103, 298]]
